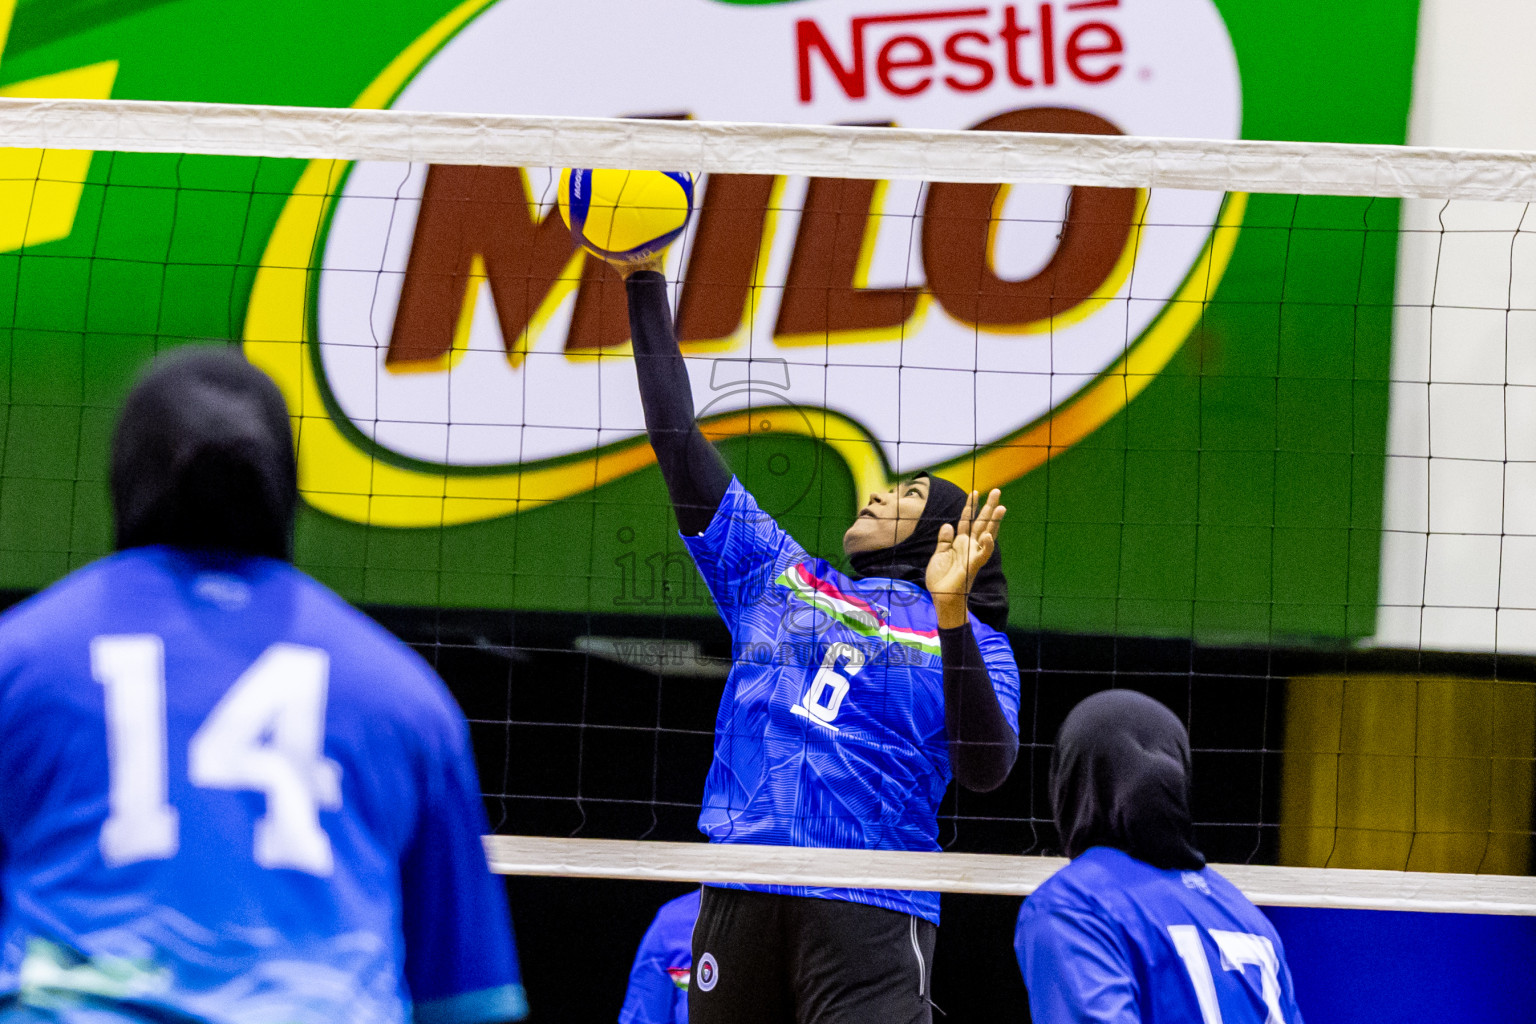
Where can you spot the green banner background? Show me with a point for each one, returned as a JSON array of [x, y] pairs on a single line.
[[1238, 499]]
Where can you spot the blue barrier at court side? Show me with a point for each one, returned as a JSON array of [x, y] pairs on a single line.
[[1397, 967]]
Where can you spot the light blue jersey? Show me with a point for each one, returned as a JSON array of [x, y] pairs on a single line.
[[230, 797], [658, 981], [1110, 939], [831, 728]]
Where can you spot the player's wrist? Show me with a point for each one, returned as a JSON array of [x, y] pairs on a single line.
[[952, 610]]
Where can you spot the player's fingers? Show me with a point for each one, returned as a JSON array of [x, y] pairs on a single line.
[[946, 536], [985, 515], [994, 515], [968, 514], [990, 509], [996, 520]]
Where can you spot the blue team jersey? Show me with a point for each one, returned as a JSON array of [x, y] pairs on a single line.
[[658, 982], [1113, 940], [831, 727], [231, 797]]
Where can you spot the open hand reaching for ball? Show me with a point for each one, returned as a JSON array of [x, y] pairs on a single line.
[[959, 556]]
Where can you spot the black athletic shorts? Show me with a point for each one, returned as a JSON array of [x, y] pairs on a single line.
[[762, 958]]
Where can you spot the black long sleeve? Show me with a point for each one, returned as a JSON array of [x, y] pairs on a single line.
[[696, 476], [982, 745]]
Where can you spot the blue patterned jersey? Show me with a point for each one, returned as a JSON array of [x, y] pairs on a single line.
[[658, 982], [1113, 940], [831, 727], [231, 797]]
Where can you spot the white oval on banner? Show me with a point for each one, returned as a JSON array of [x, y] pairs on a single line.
[[932, 390]]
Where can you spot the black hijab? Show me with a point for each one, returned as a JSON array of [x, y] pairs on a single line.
[[203, 458], [908, 560], [1120, 777]]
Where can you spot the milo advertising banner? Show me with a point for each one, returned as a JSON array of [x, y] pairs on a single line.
[[1183, 395]]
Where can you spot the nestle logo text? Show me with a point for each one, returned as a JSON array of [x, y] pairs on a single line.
[[963, 49]]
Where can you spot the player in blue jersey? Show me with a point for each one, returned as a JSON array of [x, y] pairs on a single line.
[[228, 796], [853, 699], [658, 981], [1136, 929]]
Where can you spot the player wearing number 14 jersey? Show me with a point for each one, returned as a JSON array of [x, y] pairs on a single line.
[[1136, 929], [228, 796]]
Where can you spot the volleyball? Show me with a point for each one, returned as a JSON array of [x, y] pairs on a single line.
[[625, 216]]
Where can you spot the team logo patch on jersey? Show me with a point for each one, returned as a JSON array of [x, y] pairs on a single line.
[[709, 972], [679, 976], [1193, 880]]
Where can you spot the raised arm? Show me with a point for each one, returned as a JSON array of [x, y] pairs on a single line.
[[696, 476], [982, 743]]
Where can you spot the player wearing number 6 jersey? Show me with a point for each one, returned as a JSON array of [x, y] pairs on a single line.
[[852, 701], [228, 796], [1136, 929]]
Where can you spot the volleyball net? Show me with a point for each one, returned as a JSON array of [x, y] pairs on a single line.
[[1264, 415]]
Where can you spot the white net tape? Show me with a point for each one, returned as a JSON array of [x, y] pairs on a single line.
[[986, 873], [1291, 168]]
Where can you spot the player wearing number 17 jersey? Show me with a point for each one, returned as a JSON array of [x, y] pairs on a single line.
[[229, 797], [1136, 929]]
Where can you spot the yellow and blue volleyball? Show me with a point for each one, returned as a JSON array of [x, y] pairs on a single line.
[[625, 216]]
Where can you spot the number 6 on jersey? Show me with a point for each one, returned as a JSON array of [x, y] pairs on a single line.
[[824, 697]]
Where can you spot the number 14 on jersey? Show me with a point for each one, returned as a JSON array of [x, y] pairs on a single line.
[[266, 735]]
